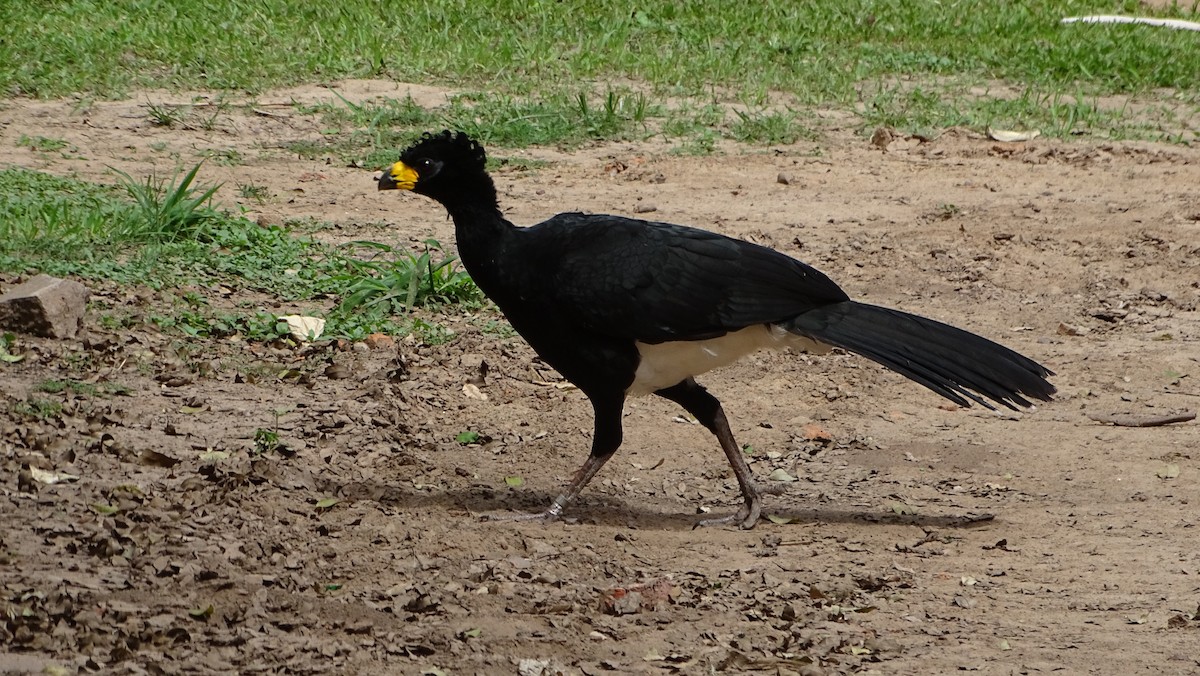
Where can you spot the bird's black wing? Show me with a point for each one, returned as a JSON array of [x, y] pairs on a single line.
[[657, 282]]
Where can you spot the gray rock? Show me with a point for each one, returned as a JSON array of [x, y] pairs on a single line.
[[45, 306]]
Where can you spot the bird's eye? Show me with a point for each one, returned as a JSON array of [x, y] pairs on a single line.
[[424, 163]]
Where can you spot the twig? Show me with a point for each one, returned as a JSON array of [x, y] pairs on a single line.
[[1131, 420]]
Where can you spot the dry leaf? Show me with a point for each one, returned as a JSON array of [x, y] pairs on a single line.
[[44, 477], [814, 432], [780, 475], [1008, 136], [304, 329]]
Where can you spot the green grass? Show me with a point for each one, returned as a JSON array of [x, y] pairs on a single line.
[[369, 134], [523, 73], [817, 50], [911, 65], [164, 233]]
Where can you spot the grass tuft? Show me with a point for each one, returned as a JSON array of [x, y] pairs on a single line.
[[166, 234], [165, 213]]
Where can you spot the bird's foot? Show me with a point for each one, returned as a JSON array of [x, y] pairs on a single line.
[[746, 517], [548, 516], [553, 513]]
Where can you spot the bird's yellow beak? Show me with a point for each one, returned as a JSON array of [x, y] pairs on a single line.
[[399, 176]]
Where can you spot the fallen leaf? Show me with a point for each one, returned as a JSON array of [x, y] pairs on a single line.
[[1010, 136], [156, 459], [859, 650], [514, 481], [379, 341], [780, 475], [304, 329], [337, 372], [44, 477], [326, 503], [814, 432]]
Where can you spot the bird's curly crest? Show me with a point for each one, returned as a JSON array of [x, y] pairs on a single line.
[[447, 145]]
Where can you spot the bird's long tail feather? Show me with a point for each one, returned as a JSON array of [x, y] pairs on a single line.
[[956, 364]]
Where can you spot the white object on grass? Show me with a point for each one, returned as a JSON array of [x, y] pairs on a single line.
[[1008, 136], [1143, 20], [304, 329]]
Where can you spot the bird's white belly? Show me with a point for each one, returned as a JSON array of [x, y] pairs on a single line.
[[667, 364]]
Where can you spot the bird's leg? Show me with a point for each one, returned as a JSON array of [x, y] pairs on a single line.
[[696, 400], [573, 489], [605, 441]]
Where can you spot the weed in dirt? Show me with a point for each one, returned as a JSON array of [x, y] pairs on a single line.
[[497, 328], [226, 157], [80, 388], [372, 134], [209, 122], [266, 441], [163, 115], [467, 437], [516, 163], [430, 333], [250, 191], [8, 341], [768, 128], [403, 282], [166, 213], [202, 322], [42, 144], [695, 127], [37, 407]]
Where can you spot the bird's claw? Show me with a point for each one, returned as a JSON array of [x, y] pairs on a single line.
[[745, 518], [550, 515], [543, 517]]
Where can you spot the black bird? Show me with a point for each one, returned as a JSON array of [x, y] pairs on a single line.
[[624, 307]]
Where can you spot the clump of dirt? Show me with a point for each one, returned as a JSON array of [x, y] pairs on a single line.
[[222, 507]]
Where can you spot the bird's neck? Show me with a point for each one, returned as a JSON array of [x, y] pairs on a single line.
[[480, 230], [481, 233]]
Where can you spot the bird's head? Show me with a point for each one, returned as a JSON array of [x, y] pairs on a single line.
[[445, 166]]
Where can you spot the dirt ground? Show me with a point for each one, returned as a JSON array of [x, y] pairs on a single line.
[[915, 538]]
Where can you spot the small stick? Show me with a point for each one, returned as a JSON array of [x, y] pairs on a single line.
[[1131, 420]]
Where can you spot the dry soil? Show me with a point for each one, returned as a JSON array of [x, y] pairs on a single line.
[[913, 538]]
